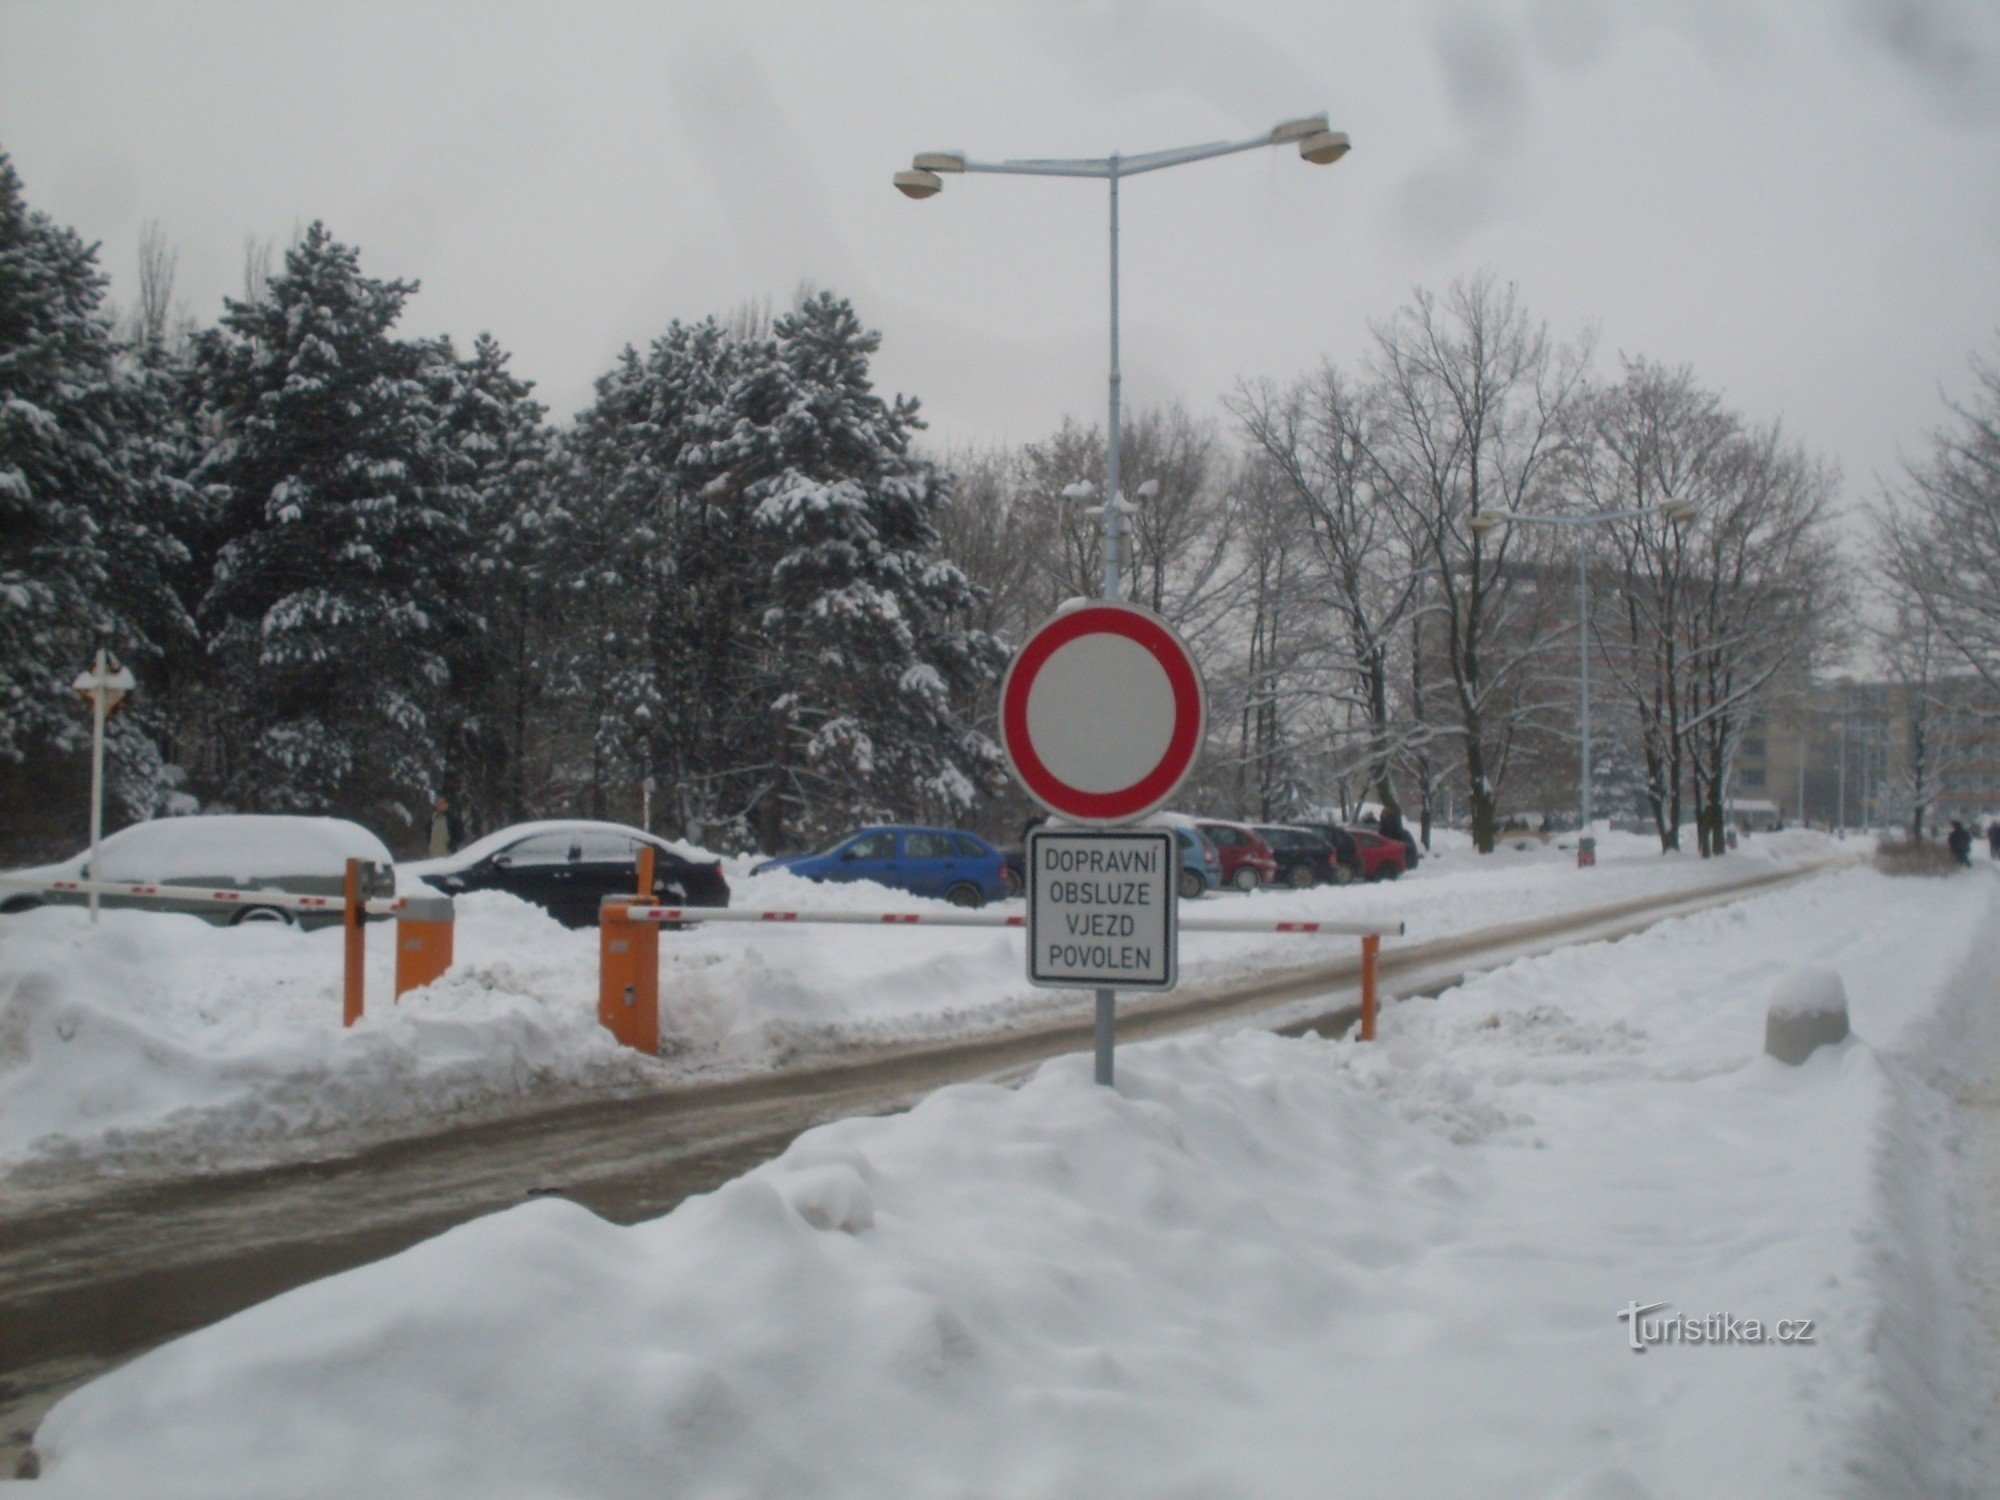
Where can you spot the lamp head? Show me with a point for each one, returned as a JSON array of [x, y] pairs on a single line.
[[917, 183], [1325, 147], [1679, 510], [1298, 130], [1487, 521]]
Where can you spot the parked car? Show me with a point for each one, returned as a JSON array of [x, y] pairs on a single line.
[[1201, 862], [1304, 858], [1247, 861], [224, 852], [960, 867], [1344, 850], [568, 867], [1381, 858]]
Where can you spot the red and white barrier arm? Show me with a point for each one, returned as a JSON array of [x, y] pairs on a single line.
[[637, 913], [380, 906]]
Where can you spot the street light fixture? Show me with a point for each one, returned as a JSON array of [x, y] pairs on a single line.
[[1674, 513], [925, 176]]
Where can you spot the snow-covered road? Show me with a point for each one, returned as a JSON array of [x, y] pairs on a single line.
[[161, 1045], [1260, 1267]]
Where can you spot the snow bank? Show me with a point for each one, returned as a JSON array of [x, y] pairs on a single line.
[[1260, 1267], [227, 1047]]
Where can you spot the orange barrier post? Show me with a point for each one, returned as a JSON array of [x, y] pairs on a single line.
[[356, 954], [1370, 947], [645, 872], [628, 978], [424, 931]]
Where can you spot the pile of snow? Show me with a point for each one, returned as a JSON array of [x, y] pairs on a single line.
[[226, 1045], [1259, 1267]]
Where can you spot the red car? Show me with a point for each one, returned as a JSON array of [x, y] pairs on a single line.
[[1247, 861], [1381, 859]]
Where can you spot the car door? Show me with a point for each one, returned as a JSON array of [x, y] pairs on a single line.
[[536, 869], [871, 856], [931, 862], [606, 864]]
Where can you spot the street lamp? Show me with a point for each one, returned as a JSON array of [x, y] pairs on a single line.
[[1674, 513], [925, 179]]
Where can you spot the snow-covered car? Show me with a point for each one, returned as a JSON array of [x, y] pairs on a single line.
[[567, 867], [223, 851]]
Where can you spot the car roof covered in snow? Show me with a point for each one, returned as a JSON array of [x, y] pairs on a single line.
[[502, 838], [242, 846]]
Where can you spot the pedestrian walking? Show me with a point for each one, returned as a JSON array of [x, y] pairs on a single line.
[[1993, 838], [1959, 841]]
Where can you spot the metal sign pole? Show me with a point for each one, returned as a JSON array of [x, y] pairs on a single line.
[[1107, 1025], [98, 694]]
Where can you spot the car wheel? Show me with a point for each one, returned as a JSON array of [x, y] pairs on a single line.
[[1245, 878], [1192, 885], [1343, 874], [965, 894], [249, 914], [1300, 878]]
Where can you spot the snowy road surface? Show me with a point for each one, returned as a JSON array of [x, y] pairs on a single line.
[[1260, 1266]]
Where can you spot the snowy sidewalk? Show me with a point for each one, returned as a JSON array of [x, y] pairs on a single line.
[[1260, 1268]]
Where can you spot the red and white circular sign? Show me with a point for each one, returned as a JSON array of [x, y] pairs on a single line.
[[1102, 713]]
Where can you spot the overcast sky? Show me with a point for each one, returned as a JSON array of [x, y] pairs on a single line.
[[1798, 198]]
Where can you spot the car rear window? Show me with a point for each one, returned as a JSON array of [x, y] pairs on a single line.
[[968, 847], [929, 845]]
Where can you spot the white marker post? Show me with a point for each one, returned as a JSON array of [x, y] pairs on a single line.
[[1102, 715], [103, 687]]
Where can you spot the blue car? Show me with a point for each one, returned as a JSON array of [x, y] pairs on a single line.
[[960, 867]]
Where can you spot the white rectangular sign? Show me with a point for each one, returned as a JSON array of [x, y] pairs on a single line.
[[1102, 912]]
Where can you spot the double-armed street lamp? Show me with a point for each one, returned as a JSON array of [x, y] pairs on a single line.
[[925, 178], [1674, 513]]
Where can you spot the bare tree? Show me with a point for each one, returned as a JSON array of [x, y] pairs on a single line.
[[1653, 439], [1939, 527], [1763, 595], [1476, 410], [1317, 440]]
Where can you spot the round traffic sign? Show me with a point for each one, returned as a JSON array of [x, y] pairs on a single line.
[[1102, 713]]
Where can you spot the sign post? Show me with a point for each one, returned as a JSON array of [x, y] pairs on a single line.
[[1102, 716], [103, 687]]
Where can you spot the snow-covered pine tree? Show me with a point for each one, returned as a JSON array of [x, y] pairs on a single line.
[[873, 662], [91, 511], [665, 585], [60, 472], [492, 457], [328, 611]]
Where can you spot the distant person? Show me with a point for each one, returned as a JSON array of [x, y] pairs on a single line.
[[1959, 841], [1390, 826], [1993, 838]]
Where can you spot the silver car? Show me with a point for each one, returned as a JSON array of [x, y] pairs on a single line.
[[235, 851]]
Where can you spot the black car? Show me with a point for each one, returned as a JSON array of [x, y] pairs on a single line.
[[1305, 856], [568, 868], [1344, 850]]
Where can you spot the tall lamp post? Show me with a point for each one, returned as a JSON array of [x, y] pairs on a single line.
[[925, 178], [1672, 511]]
